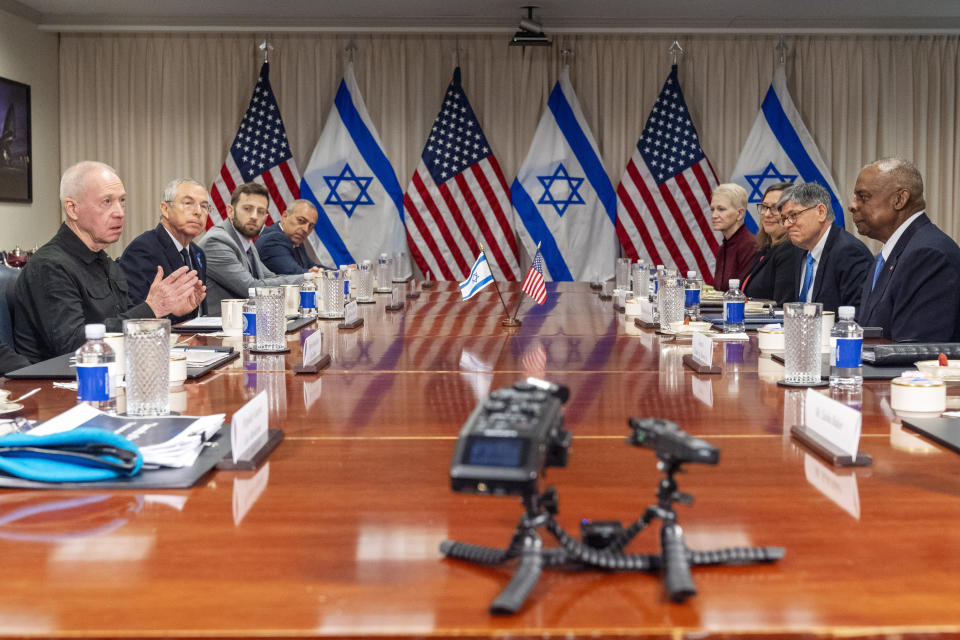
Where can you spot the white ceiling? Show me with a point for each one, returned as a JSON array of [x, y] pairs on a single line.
[[485, 15]]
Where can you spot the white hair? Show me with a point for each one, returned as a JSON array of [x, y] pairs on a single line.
[[169, 192], [73, 183]]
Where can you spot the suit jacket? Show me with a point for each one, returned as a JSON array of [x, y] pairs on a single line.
[[774, 274], [278, 253], [155, 248], [734, 258], [228, 270], [844, 264], [917, 295]]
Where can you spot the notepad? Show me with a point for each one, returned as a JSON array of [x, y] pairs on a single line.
[[203, 322]]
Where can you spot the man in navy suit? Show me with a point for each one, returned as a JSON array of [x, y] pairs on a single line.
[[184, 208], [912, 290], [283, 247], [835, 263]]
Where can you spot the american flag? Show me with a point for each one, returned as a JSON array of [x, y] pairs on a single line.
[[533, 284], [663, 209], [458, 198], [259, 153]]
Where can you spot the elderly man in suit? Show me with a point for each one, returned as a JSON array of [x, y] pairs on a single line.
[[284, 247], [912, 289], [835, 263], [184, 206], [233, 263]]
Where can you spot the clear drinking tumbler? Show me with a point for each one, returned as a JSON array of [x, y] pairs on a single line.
[[271, 319], [146, 346], [623, 274], [333, 298], [365, 282], [802, 338], [670, 292]]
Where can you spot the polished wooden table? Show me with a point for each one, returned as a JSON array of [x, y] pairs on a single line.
[[338, 534]]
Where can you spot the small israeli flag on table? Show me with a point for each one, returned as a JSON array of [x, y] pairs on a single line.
[[479, 277]]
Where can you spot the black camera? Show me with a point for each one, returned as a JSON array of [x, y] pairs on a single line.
[[671, 444], [510, 439]]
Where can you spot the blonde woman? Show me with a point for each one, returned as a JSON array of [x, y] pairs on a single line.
[[728, 208]]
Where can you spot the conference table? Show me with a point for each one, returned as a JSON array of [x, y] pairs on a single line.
[[337, 534]]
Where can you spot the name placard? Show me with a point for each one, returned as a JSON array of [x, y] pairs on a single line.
[[646, 311], [833, 421], [703, 349], [312, 348], [248, 427], [350, 313]]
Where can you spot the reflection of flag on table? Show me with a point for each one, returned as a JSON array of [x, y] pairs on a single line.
[[353, 185], [458, 198], [781, 149], [533, 284], [563, 196], [663, 212], [259, 153], [479, 278]]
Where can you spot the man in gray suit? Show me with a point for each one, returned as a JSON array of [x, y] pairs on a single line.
[[233, 264]]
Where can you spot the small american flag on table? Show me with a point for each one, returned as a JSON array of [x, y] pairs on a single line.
[[533, 284]]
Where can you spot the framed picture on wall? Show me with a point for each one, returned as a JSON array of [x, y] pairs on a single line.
[[16, 170]]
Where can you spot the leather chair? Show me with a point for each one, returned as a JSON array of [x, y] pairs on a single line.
[[8, 285]]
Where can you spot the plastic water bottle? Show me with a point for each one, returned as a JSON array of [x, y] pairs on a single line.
[[308, 297], [96, 371], [691, 295], [733, 306], [846, 346], [250, 320]]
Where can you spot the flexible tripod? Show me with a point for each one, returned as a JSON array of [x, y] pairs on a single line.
[[674, 558]]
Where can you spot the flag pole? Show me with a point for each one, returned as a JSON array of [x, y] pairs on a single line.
[[507, 322], [520, 301]]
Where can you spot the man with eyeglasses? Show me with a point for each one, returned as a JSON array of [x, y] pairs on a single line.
[[835, 263], [284, 247], [184, 207], [912, 290]]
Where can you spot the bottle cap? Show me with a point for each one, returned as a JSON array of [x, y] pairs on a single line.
[[734, 284], [691, 274], [95, 331], [846, 313], [251, 292], [659, 266], [308, 277]]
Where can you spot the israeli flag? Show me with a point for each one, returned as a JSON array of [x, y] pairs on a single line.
[[563, 196], [479, 277], [780, 149], [354, 187]]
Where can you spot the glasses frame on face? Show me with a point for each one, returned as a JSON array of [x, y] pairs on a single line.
[[193, 205], [767, 209], [792, 218]]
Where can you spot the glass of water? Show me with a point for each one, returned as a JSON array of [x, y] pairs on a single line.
[[333, 298], [639, 275], [623, 274], [670, 292], [146, 346], [384, 274], [801, 337], [271, 319], [365, 282]]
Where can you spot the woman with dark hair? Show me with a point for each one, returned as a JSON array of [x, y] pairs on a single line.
[[773, 275]]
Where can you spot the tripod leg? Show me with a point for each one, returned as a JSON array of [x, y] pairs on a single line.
[[736, 555], [676, 567], [524, 580]]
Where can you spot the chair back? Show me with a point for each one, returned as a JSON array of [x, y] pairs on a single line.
[[8, 295]]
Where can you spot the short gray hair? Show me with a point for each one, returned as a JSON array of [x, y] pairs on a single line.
[[807, 194], [904, 173], [300, 201], [74, 180], [736, 194], [169, 192]]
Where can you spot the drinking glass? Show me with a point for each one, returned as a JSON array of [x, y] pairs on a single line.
[[384, 273], [146, 345], [271, 319], [802, 337], [365, 282], [623, 274], [640, 279], [333, 298], [670, 298]]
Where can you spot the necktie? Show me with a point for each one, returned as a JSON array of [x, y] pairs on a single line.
[[877, 270], [186, 258], [807, 278], [253, 264]]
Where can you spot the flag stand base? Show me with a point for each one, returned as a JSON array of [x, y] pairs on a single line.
[[511, 322]]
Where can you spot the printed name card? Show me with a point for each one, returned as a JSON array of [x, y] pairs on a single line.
[[350, 313], [703, 349], [248, 428], [646, 311], [313, 348], [833, 421]]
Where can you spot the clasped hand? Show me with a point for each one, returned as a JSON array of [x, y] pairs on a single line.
[[178, 294]]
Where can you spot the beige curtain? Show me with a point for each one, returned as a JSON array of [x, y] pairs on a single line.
[[162, 106]]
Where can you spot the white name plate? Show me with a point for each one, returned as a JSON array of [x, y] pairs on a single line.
[[703, 349], [833, 421], [312, 348], [350, 312], [248, 427], [646, 311]]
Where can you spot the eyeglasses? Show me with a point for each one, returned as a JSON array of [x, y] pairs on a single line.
[[792, 218], [766, 209], [190, 205]]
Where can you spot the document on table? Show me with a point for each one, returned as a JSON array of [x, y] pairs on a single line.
[[203, 322]]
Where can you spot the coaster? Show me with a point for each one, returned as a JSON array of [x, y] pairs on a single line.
[[803, 385]]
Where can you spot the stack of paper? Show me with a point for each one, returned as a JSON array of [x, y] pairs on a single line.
[[165, 441]]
